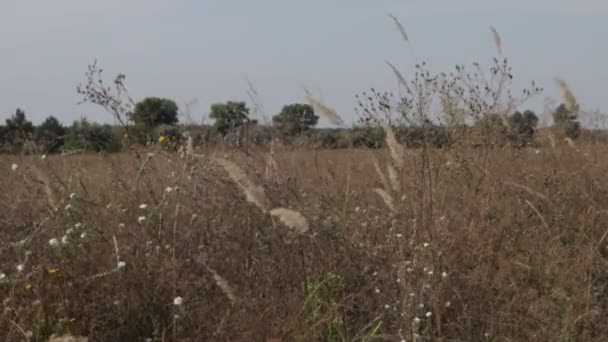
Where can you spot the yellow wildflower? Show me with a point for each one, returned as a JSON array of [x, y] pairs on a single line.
[[28, 286], [161, 138], [53, 270]]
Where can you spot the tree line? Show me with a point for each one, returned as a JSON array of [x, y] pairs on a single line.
[[155, 120]]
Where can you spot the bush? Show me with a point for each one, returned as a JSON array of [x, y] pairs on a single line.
[[50, 135], [87, 136], [367, 137], [155, 111]]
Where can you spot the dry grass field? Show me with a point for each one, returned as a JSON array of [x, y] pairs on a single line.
[[444, 245]]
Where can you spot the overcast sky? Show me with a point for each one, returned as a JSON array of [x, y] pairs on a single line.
[[208, 49]]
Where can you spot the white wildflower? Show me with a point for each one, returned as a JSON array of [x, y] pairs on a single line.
[[69, 231], [2, 277], [430, 272], [169, 189], [398, 280], [122, 225], [375, 273], [377, 290], [417, 320], [121, 265], [141, 219], [20, 267], [412, 294], [426, 244], [72, 195], [399, 235], [78, 225], [68, 207], [178, 301], [448, 304], [43, 157], [143, 206], [64, 239], [83, 235], [429, 314], [421, 306], [54, 242], [387, 307], [444, 275], [14, 167]]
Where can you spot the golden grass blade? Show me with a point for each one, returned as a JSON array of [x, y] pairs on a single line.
[[393, 176], [223, 285], [386, 197], [292, 219], [381, 175]]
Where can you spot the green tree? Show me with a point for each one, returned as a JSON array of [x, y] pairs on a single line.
[[155, 111], [229, 115], [295, 119], [19, 127], [567, 120], [50, 134]]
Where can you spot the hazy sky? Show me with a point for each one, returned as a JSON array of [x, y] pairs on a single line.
[[207, 50]]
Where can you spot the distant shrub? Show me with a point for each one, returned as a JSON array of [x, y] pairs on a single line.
[[87, 136], [522, 127], [367, 136], [50, 135], [430, 134]]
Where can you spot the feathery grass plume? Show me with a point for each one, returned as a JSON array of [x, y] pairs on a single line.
[[292, 219], [254, 193], [386, 197], [321, 108], [189, 147], [393, 176], [46, 182], [570, 142], [399, 27], [223, 285], [381, 175], [397, 151], [271, 170], [399, 75], [552, 140], [567, 95], [497, 40]]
